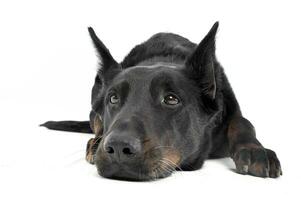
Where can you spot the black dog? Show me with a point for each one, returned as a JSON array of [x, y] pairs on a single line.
[[167, 106]]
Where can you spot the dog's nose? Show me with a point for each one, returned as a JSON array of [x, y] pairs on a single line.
[[122, 147]]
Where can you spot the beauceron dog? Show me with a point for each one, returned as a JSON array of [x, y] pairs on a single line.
[[167, 106]]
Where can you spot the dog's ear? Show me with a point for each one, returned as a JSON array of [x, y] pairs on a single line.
[[106, 60], [201, 63]]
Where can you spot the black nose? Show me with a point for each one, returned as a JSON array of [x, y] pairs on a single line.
[[122, 147]]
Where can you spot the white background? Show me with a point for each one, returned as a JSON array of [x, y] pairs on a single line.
[[47, 67]]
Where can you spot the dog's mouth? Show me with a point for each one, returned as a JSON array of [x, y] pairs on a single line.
[[117, 171], [153, 166]]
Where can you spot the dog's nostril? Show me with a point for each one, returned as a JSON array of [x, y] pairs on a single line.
[[109, 150], [127, 151]]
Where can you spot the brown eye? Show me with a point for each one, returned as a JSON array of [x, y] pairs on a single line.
[[171, 100], [114, 99]]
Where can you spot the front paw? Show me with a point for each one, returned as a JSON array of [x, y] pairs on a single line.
[[91, 149], [257, 161]]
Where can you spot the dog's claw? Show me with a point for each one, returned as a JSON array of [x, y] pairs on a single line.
[[245, 168]]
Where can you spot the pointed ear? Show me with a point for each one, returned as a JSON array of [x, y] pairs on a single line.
[[107, 61], [201, 63]]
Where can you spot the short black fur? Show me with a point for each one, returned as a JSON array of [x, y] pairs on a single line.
[[167, 106]]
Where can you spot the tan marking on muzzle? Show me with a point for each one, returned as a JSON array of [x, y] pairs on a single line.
[[172, 155], [169, 162]]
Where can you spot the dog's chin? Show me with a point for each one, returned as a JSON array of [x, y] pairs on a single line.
[[130, 176], [118, 172]]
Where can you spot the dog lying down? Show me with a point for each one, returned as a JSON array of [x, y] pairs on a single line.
[[167, 106]]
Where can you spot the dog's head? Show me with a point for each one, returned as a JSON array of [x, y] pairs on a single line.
[[154, 116]]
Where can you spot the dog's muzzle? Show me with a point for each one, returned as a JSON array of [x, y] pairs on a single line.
[[122, 148]]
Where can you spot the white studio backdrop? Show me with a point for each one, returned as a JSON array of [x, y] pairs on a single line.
[[47, 68]]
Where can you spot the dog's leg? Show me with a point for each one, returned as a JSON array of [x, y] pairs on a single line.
[[96, 126], [249, 155]]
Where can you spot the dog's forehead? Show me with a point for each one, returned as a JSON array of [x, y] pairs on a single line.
[[148, 72], [157, 65]]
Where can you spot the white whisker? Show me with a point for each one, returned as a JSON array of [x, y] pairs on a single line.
[[173, 163]]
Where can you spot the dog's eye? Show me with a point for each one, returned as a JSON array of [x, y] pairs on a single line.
[[171, 100], [114, 99]]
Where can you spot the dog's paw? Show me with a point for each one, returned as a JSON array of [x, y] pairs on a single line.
[[257, 161], [91, 149], [275, 167]]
